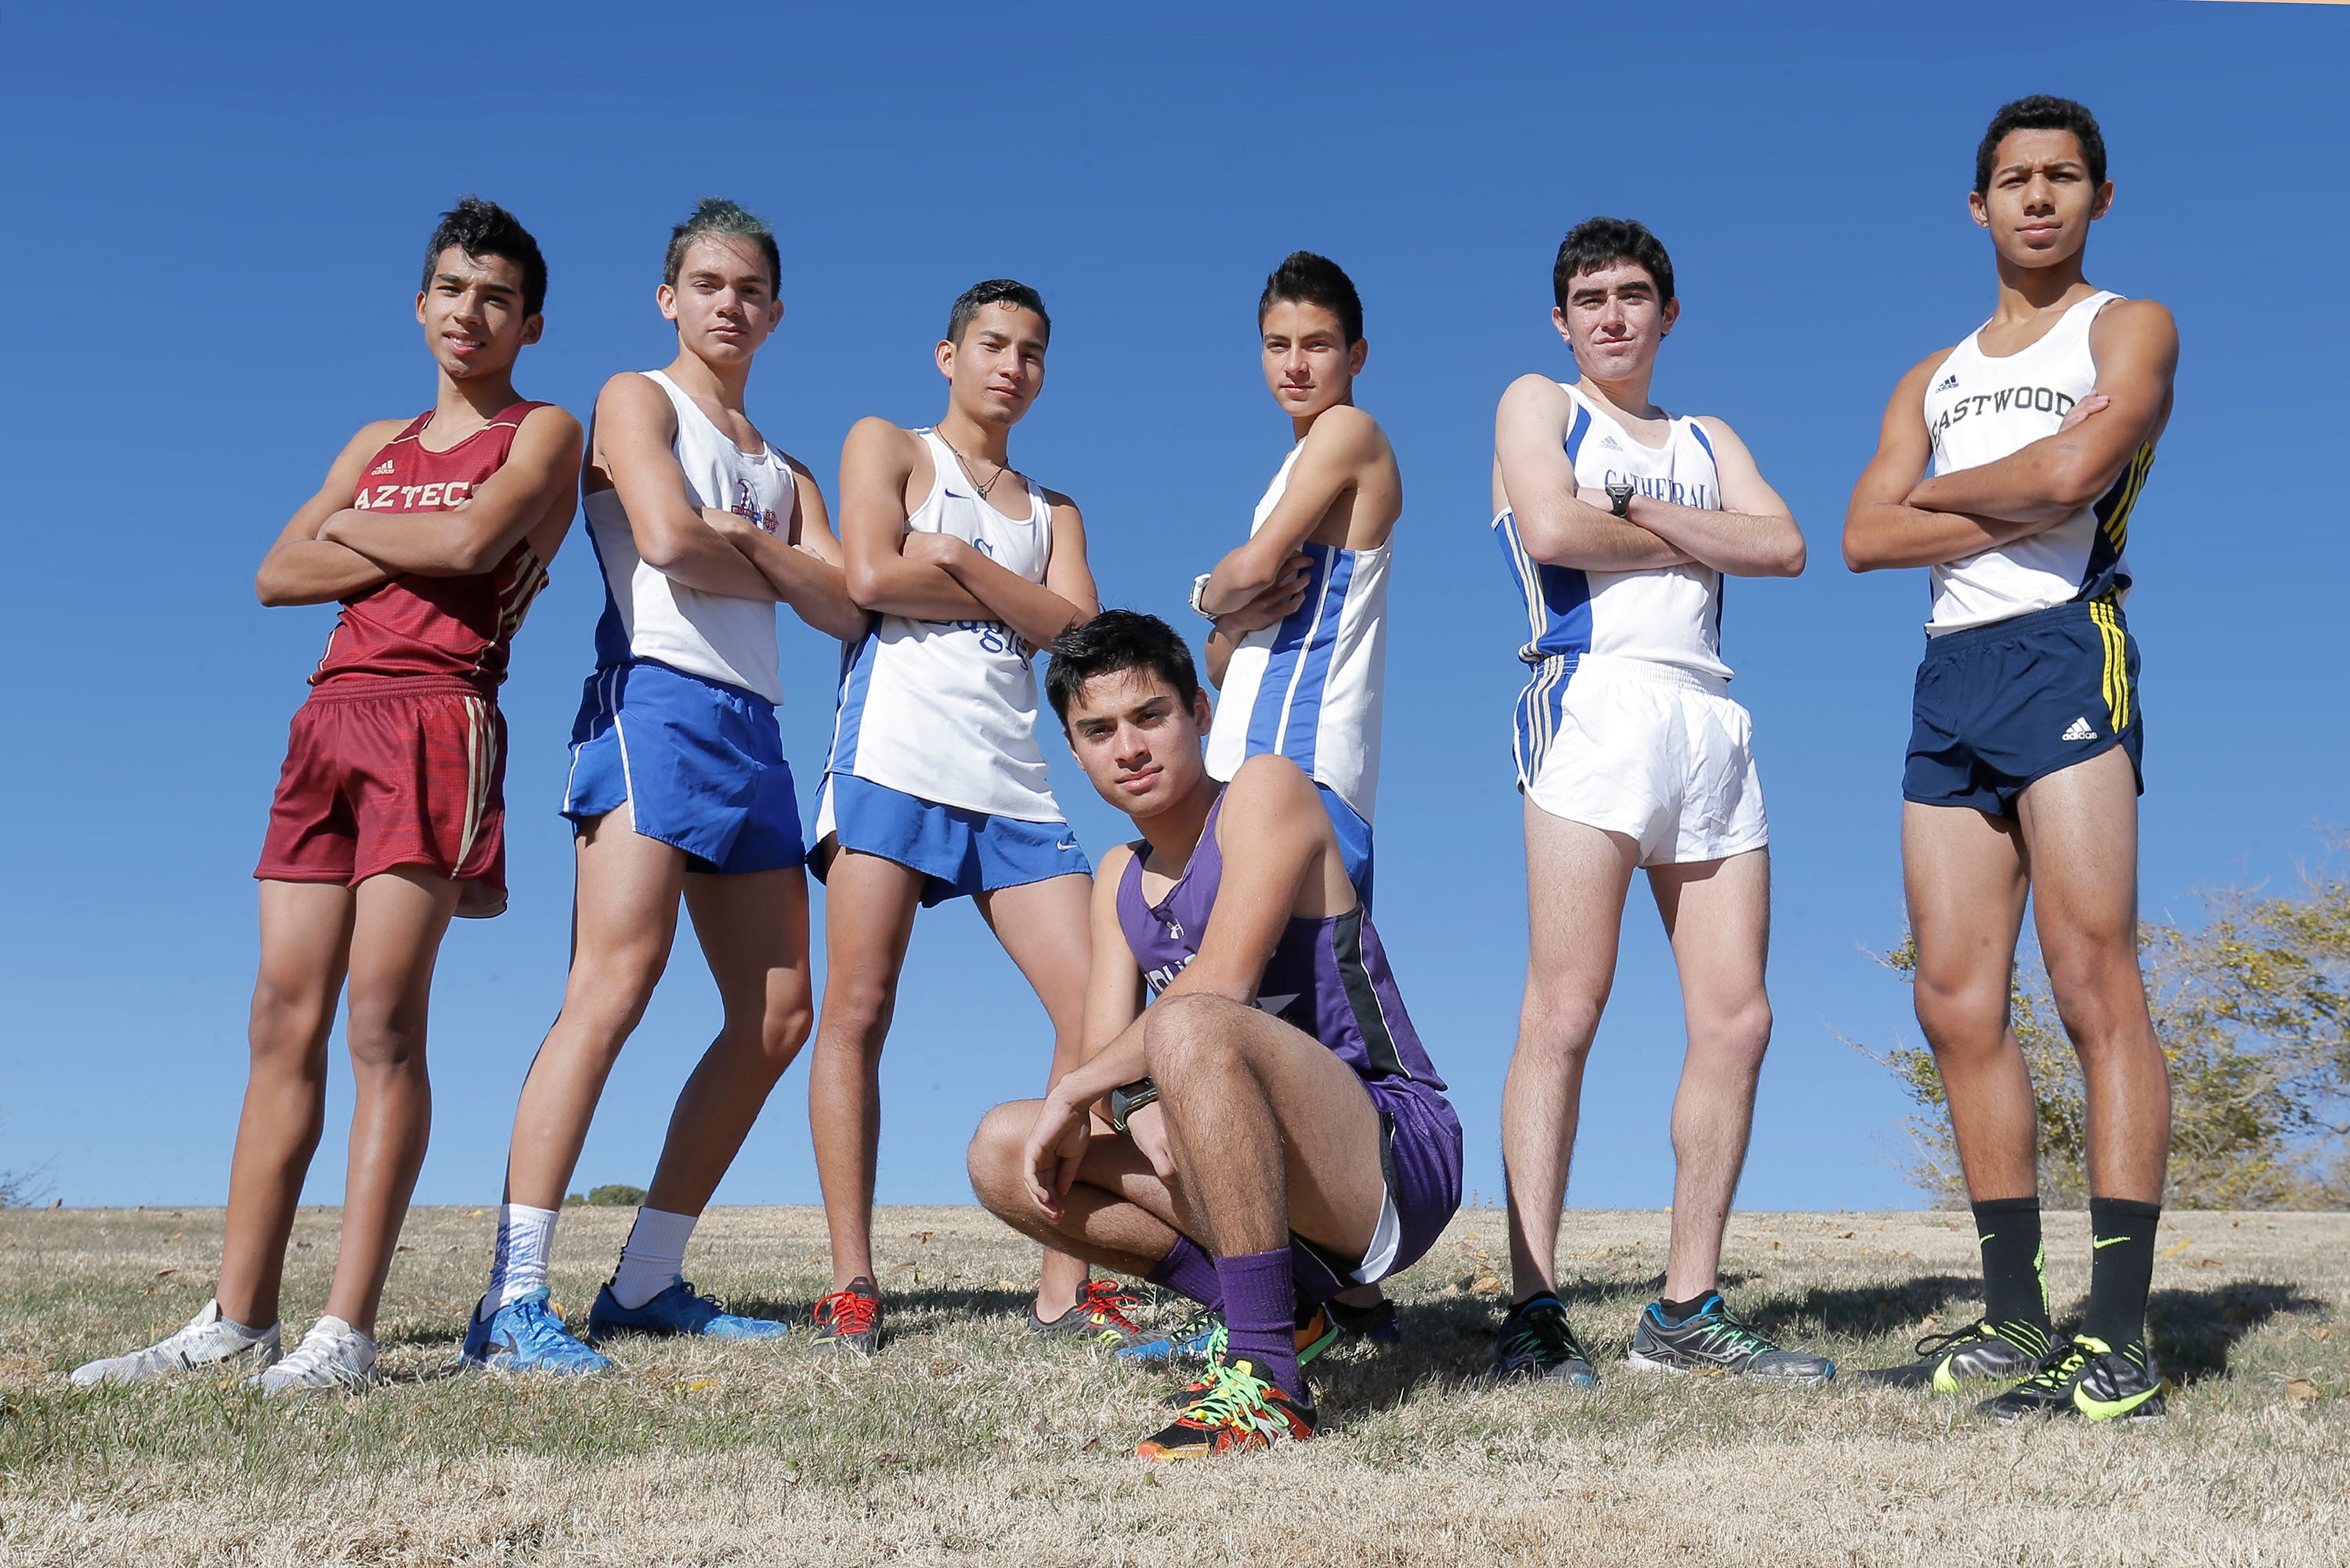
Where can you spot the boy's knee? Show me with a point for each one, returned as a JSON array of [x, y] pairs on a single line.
[[994, 1156]]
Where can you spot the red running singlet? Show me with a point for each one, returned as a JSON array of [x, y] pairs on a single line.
[[417, 626]]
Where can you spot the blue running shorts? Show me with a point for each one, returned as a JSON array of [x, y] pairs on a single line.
[[700, 763], [957, 852], [1999, 707], [1354, 841]]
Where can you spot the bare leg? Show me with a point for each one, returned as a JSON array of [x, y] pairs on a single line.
[[402, 916], [306, 937], [868, 918], [1576, 878], [1046, 927], [1271, 1132], [1718, 914], [623, 919], [753, 930], [1117, 1213], [1967, 876], [2082, 826]]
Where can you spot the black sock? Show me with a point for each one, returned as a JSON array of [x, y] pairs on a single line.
[[2121, 1269], [2015, 1274], [1681, 1312]]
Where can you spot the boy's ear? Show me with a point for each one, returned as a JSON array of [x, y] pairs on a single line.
[[1203, 711]]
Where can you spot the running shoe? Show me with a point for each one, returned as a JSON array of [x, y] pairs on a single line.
[[1103, 1316], [1234, 1412], [1978, 1352], [333, 1356], [1535, 1341], [1711, 1341], [849, 1319], [2086, 1377], [527, 1335], [209, 1341], [1195, 1341], [1379, 1321], [678, 1310]]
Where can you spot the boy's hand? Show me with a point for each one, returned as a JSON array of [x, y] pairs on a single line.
[[1273, 603]]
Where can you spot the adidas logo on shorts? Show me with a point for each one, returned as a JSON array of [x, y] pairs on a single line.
[[2081, 730]]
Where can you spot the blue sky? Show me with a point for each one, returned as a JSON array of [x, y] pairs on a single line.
[[219, 224]]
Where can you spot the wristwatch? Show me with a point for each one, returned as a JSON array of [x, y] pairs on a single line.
[[1128, 1098], [1619, 500], [1199, 592]]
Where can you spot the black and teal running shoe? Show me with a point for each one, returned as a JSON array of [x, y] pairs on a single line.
[[1711, 1341], [2088, 1378], [1535, 1341], [1979, 1353]]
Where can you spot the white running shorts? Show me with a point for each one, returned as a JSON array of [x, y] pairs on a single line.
[[1658, 754]]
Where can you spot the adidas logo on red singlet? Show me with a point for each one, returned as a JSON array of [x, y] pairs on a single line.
[[385, 467]]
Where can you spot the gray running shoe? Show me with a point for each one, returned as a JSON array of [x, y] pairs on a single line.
[[1534, 1341], [209, 1342], [332, 1356], [1103, 1316], [1711, 1341], [1978, 1352]]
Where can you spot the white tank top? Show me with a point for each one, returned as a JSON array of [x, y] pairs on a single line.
[[946, 710], [1310, 688], [646, 615], [1665, 615], [1978, 409]]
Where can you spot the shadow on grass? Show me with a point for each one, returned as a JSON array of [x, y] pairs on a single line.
[[1869, 1311], [2193, 1332]]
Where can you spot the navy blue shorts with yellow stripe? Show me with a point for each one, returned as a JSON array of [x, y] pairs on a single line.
[[2003, 706]]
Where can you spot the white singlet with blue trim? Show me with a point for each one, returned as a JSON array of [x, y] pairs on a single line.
[[1979, 409], [1669, 616], [646, 614], [946, 710], [1310, 688]]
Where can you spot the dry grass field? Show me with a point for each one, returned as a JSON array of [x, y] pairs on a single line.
[[968, 1442]]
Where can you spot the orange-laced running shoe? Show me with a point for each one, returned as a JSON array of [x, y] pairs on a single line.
[[1237, 1412], [1103, 1316], [849, 1319]]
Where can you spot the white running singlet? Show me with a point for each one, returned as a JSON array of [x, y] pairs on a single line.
[[946, 710], [1309, 688], [646, 615], [1979, 409]]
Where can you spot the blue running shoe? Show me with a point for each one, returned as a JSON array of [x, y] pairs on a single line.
[[680, 1309], [528, 1336], [1196, 1341]]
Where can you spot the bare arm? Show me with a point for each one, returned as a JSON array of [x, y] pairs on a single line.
[[636, 433], [1039, 612], [1343, 443], [1270, 605], [804, 567], [1753, 535], [876, 462], [1881, 528], [1112, 1045], [302, 568], [2135, 344], [1556, 527], [540, 470]]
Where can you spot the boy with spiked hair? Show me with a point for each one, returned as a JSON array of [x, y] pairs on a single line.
[[936, 788], [2009, 465], [678, 789], [1269, 1129], [434, 532]]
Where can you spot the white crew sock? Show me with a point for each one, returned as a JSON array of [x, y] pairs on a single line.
[[525, 1238], [654, 1255]]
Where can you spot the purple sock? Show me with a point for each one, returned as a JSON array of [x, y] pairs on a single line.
[[1189, 1271], [1260, 1316]]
